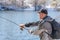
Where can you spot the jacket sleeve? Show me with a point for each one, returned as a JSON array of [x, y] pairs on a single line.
[[44, 35], [32, 24], [48, 26]]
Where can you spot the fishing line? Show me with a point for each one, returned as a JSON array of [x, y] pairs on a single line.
[[9, 20], [12, 22]]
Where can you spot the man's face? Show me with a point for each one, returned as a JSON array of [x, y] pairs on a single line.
[[42, 15]]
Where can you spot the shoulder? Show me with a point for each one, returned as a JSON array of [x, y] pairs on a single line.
[[47, 24]]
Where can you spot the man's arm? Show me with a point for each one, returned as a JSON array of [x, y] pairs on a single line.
[[22, 26], [48, 27], [32, 24]]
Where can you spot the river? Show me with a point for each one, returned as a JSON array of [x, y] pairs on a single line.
[[10, 31]]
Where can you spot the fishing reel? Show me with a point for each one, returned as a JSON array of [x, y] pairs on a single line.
[[29, 30]]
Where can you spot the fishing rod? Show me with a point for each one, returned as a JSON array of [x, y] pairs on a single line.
[[9, 20], [30, 31], [12, 22]]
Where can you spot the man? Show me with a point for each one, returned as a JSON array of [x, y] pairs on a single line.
[[44, 28]]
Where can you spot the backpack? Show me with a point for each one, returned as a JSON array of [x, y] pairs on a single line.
[[55, 29]]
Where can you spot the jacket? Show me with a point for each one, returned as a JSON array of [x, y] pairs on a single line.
[[43, 25]]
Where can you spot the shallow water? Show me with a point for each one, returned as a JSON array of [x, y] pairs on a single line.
[[10, 31]]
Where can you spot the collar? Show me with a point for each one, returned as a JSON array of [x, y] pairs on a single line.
[[45, 17]]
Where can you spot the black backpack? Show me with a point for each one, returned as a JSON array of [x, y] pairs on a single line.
[[55, 29]]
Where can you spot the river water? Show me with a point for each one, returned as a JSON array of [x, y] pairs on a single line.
[[10, 31]]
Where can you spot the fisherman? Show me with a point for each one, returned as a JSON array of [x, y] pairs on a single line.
[[44, 28]]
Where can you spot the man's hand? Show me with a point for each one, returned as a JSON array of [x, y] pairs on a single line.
[[39, 32], [22, 26]]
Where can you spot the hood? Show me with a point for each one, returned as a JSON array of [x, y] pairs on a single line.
[[48, 18]]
